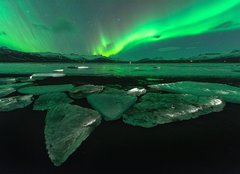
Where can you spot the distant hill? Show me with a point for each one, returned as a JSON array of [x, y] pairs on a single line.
[[8, 55], [232, 57], [105, 60]]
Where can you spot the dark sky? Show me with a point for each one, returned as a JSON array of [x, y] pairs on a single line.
[[121, 28]]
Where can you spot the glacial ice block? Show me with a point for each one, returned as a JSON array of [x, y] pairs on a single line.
[[46, 75], [17, 102], [4, 81], [154, 109], [226, 92], [16, 85], [5, 92], [85, 90], [50, 100], [38, 90], [111, 106], [137, 92], [66, 127]]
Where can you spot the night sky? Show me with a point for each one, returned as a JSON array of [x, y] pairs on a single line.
[[127, 29]]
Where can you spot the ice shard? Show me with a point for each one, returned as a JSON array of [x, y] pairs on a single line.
[[17, 102], [137, 92], [50, 100], [66, 127], [111, 105], [226, 92], [7, 81], [7, 91], [16, 85], [46, 75], [154, 109], [39, 90], [85, 90]]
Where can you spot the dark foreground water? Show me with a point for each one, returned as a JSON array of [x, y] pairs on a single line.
[[209, 144]]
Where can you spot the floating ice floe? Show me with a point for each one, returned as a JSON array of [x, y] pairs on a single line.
[[17, 102], [85, 90], [226, 92], [111, 105], [4, 81], [137, 91], [50, 100], [78, 67], [82, 67], [157, 67], [7, 91], [58, 70], [66, 127], [38, 90], [16, 85], [46, 75], [154, 109]]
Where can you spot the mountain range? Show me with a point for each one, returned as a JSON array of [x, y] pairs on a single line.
[[9, 55]]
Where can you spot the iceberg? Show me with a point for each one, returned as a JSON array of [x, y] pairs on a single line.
[[46, 75], [58, 70], [66, 127], [137, 92], [7, 91], [38, 90], [226, 92], [50, 100], [85, 90], [111, 105], [17, 102], [154, 109]]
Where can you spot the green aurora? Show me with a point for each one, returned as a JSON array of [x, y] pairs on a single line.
[[110, 27]]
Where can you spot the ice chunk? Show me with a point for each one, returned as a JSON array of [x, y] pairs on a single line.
[[109, 90], [85, 90], [5, 92], [226, 92], [50, 100], [78, 67], [111, 105], [154, 109], [137, 92], [82, 67], [12, 103], [38, 90], [7, 81], [66, 127], [16, 85], [58, 70], [46, 75]]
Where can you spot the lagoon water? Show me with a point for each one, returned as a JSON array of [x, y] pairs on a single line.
[[209, 144], [198, 70]]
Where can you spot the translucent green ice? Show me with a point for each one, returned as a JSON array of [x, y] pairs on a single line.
[[5, 92], [16, 85], [112, 103], [66, 127], [226, 92], [85, 90], [17, 102], [50, 100], [7, 81], [154, 109], [38, 90]]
